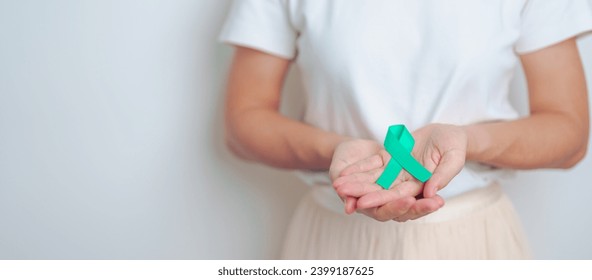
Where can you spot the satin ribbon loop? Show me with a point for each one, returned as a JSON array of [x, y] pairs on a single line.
[[399, 144]]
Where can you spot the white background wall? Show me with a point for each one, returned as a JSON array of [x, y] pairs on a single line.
[[111, 143]]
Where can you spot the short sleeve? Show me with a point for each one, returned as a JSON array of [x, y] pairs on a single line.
[[547, 22], [263, 25]]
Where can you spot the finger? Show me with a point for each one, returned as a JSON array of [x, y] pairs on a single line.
[[449, 166], [350, 204], [362, 177], [358, 189], [367, 164], [336, 165], [357, 184], [370, 177], [419, 210], [381, 197], [394, 209], [422, 207]]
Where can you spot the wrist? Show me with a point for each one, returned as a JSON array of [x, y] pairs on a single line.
[[477, 141], [328, 146]]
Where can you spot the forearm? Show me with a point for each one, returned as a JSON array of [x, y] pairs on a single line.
[[555, 135], [270, 138], [255, 130], [539, 141]]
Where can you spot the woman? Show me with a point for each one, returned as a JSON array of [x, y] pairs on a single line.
[[443, 69]]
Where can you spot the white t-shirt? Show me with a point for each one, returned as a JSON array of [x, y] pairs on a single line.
[[369, 64]]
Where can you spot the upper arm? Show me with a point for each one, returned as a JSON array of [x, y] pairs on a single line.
[[255, 83], [557, 85], [556, 82]]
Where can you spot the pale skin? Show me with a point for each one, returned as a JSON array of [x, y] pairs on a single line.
[[554, 135]]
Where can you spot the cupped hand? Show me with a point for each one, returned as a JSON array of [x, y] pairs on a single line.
[[357, 164], [360, 158], [358, 179]]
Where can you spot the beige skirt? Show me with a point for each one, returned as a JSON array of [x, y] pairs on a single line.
[[480, 224]]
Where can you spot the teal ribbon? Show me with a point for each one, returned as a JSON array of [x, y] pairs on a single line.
[[399, 144]]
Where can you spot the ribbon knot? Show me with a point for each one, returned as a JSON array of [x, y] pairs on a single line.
[[399, 144]]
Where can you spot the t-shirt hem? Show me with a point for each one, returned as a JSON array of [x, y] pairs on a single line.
[[536, 44], [259, 48]]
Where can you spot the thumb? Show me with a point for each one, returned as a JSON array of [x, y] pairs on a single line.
[[451, 163]]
